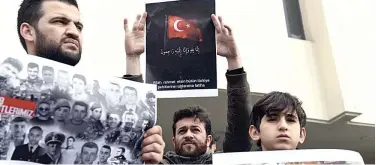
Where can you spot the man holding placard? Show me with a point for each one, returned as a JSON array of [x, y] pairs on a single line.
[[53, 30]]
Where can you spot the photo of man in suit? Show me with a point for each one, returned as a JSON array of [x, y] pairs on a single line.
[[130, 100], [32, 150], [53, 141]]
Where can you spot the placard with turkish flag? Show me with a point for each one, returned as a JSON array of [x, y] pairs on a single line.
[[181, 48]]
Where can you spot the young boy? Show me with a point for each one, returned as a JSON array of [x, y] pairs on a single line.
[[277, 122]]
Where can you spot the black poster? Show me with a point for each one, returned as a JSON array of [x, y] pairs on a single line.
[[181, 48]]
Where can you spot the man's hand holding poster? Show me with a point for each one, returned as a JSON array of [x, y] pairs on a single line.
[[53, 114], [181, 48]]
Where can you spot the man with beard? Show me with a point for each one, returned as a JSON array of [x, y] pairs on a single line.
[[32, 150], [191, 129], [33, 82], [53, 141], [48, 74], [239, 96], [43, 116], [104, 154], [53, 30], [18, 128]]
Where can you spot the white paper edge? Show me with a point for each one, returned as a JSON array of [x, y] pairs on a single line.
[[301, 155], [187, 93], [157, 1]]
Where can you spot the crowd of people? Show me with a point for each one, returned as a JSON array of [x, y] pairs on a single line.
[[275, 122]]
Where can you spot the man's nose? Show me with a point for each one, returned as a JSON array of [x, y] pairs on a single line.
[[72, 31]]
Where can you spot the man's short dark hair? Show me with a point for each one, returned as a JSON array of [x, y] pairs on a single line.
[[276, 102], [36, 128], [122, 149], [14, 62], [130, 88], [30, 12], [81, 103], [81, 77], [107, 147], [33, 65], [194, 111], [71, 137], [215, 139], [45, 68], [89, 145]]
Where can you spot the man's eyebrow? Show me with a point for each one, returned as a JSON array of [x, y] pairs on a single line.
[[63, 17]]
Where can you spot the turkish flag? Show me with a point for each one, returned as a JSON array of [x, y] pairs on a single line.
[[183, 28]]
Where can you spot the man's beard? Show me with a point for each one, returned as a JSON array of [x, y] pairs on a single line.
[[200, 148], [53, 51]]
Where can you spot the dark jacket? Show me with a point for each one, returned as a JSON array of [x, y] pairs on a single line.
[[22, 153], [238, 113]]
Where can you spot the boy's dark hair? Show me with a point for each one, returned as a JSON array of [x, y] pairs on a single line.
[[194, 111], [215, 139], [30, 12], [276, 102]]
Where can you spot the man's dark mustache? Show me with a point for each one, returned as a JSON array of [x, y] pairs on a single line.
[[189, 140]]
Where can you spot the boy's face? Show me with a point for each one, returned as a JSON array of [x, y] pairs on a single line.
[[279, 131]]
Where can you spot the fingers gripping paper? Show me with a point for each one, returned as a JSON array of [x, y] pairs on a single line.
[[51, 113]]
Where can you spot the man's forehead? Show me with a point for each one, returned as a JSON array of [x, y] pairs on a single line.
[[61, 9], [190, 122]]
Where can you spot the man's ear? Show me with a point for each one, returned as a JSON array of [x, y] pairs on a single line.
[[303, 135], [209, 140], [254, 133], [173, 142], [27, 32]]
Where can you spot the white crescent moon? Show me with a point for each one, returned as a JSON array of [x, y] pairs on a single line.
[[176, 26]]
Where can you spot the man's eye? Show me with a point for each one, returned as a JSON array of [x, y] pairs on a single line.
[[59, 22]]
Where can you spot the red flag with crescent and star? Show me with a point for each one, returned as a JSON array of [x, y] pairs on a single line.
[[183, 28]]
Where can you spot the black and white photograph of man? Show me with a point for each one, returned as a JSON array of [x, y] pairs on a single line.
[[88, 154], [104, 154], [18, 129], [78, 91], [130, 97], [119, 158], [32, 150], [33, 82], [61, 111], [10, 69], [77, 125], [69, 152], [53, 141], [43, 115], [48, 74]]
